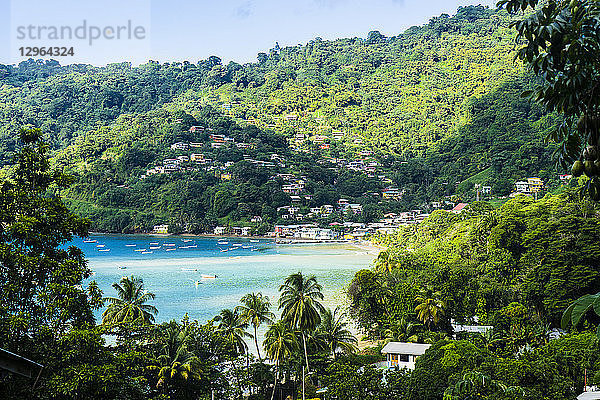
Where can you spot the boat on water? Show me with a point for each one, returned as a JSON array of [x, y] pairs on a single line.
[[146, 252], [189, 269], [208, 276], [235, 257], [220, 242], [193, 246], [184, 247], [170, 249], [237, 245], [254, 249], [100, 245], [122, 267], [140, 250], [103, 249], [130, 245], [89, 241], [186, 240], [246, 247], [154, 244], [254, 240], [223, 250], [169, 244], [154, 247]]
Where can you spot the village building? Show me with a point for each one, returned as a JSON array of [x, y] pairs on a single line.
[[403, 355]]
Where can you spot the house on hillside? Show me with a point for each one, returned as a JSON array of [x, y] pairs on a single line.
[[403, 355], [162, 229], [459, 208]]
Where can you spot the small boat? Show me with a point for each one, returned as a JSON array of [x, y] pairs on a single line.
[[254, 240], [140, 250], [146, 252], [235, 257], [184, 247], [154, 244], [222, 242], [103, 249], [246, 247], [254, 249], [100, 245], [130, 245], [169, 244], [192, 246], [89, 241], [170, 249], [154, 247], [223, 250], [237, 245], [207, 276], [189, 269], [122, 267], [186, 240]]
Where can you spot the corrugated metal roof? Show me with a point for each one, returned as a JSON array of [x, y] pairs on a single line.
[[589, 396], [416, 349]]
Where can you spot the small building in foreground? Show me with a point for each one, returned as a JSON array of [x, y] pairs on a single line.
[[162, 229], [403, 355]]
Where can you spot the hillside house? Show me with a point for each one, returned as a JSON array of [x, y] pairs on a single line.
[[180, 146], [392, 193], [459, 208], [403, 355], [161, 229]]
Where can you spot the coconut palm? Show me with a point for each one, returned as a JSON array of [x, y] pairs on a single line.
[[233, 328], [301, 307], [334, 333], [130, 306], [402, 330], [280, 342], [175, 361], [430, 307], [255, 310], [385, 261]]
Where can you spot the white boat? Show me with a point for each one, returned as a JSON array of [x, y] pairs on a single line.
[[184, 247], [192, 246], [122, 267], [100, 245], [222, 242], [254, 240], [237, 245], [207, 276], [130, 245], [103, 249], [146, 252], [89, 241], [140, 250], [170, 249], [246, 247], [154, 244], [186, 240], [223, 250], [189, 269], [154, 247], [169, 244]]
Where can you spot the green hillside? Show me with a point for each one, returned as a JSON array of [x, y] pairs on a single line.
[[426, 109]]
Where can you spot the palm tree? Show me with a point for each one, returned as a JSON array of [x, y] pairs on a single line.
[[430, 308], [402, 330], [300, 303], [130, 306], [333, 331], [255, 310], [385, 261], [280, 342], [175, 360], [233, 328]]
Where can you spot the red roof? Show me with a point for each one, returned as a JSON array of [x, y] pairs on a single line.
[[459, 207]]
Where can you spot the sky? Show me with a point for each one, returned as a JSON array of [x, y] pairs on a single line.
[[192, 30]]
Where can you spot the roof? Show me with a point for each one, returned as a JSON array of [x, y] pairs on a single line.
[[459, 207], [416, 349], [589, 396]]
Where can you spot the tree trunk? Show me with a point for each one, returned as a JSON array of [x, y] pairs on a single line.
[[256, 342], [275, 383], [305, 352]]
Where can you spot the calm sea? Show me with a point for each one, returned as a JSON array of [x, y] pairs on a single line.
[[173, 268]]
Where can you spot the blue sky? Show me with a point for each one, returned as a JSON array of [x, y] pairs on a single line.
[[231, 29]]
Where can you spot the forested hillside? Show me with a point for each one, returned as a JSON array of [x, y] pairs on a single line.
[[431, 112]]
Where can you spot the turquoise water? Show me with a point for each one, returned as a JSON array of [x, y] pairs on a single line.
[[175, 276]]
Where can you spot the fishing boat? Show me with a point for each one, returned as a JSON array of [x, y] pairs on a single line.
[[246, 247], [122, 267], [100, 245], [254, 240], [146, 252], [154, 247], [140, 250], [192, 246], [103, 249], [170, 249], [130, 245], [237, 245], [89, 241], [169, 244], [222, 242], [223, 250], [186, 240], [208, 276], [154, 244], [189, 269]]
